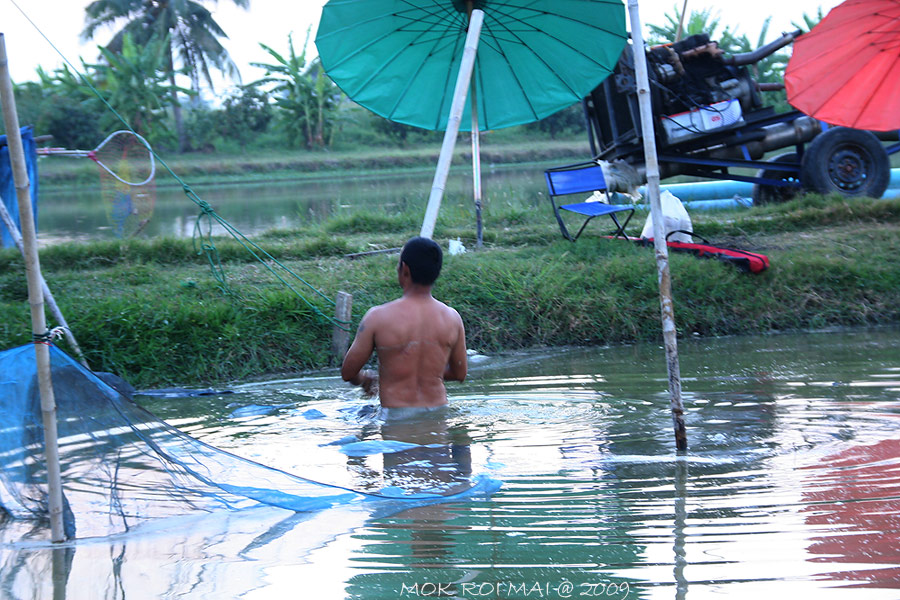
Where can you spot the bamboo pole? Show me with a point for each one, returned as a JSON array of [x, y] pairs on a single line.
[[476, 166], [35, 295], [48, 297], [680, 31], [667, 312], [456, 109]]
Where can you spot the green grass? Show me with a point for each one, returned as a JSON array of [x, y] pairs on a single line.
[[151, 311]]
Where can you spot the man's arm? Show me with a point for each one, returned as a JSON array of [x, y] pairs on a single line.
[[457, 364], [358, 355]]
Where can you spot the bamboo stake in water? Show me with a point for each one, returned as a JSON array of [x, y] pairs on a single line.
[[35, 294], [667, 311], [456, 109]]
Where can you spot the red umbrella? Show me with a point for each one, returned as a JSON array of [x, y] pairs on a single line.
[[846, 70]]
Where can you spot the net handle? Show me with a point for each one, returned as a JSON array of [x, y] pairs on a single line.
[[65, 152]]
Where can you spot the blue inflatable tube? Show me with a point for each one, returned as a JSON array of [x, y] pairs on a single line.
[[738, 194]]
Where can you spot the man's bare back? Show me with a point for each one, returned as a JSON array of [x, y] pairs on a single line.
[[420, 343]]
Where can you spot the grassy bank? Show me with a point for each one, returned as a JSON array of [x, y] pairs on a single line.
[[151, 311]]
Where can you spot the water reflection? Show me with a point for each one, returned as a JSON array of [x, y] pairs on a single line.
[[79, 214], [790, 487], [852, 495]]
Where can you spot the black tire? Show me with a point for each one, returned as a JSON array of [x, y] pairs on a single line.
[[847, 161], [770, 194]]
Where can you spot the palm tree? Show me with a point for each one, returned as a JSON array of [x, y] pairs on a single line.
[[192, 33], [809, 21], [306, 94], [698, 21]]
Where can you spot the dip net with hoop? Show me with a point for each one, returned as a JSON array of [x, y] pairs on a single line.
[[127, 179]]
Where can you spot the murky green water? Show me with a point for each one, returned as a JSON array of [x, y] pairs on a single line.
[[80, 214], [790, 489]]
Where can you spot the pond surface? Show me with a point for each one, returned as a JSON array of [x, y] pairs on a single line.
[[80, 214], [790, 489]]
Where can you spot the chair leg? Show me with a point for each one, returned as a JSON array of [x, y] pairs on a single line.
[[620, 231], [588, 220], [562, 225]]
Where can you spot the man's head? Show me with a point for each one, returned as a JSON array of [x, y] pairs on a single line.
[[424, 258]]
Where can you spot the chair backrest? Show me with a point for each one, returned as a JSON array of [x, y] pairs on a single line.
[[575, 179]]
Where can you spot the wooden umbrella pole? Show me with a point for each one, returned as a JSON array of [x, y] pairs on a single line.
[[476, 165], [456, 109], [48, 297], [35, 295], [667, 311]]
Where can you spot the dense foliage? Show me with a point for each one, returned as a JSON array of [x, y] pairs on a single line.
[[295, 105]]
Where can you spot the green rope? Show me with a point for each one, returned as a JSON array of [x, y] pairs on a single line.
[[206, 243], [208, 247]]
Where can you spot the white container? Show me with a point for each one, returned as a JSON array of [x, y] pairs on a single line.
[[693, 123]]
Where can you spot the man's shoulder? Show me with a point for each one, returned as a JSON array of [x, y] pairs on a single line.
[[448, 308], [401, 307], [383, 312]]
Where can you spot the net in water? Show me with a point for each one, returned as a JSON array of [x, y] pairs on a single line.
[[121, 466]]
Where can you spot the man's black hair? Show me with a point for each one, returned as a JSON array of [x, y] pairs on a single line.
[[424, 259]]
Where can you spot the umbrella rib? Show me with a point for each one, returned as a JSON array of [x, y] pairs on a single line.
[[539, 12], [517, 39], [374, 75], [515, 75], [600, 28], [362, 49], [437, 42], [448, 79], [871, 97]]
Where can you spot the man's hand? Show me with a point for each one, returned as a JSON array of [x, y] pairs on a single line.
[[368, 381]]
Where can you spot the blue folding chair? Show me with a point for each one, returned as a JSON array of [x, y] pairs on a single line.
[[578, 179]]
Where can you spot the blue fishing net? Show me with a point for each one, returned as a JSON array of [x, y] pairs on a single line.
[[122, 467], [8, 187]]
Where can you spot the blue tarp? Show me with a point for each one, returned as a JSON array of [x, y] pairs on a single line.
[[8, 186]]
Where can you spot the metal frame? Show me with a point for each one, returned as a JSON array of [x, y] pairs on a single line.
[[580, 185], [609, 140]]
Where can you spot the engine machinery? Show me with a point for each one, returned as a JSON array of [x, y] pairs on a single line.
[[710, 122]]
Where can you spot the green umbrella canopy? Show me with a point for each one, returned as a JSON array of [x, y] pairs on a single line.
[[400, 58]]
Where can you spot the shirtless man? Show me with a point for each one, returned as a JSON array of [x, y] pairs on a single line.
[[420, 342]]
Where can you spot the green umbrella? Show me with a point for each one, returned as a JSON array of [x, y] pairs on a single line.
[[403, 59], [400, 58]]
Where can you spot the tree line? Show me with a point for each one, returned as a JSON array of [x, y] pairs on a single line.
[[160, 43]]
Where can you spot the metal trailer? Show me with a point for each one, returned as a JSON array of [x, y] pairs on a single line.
[[711, 121]]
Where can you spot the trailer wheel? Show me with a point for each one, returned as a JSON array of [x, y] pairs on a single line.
[[770, 194], [848, 161]]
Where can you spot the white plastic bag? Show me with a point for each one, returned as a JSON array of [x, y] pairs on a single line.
[[598, 197], [675, 218], [456, 247]]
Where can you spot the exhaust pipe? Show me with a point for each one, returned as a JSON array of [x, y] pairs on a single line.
[[748, 58]]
